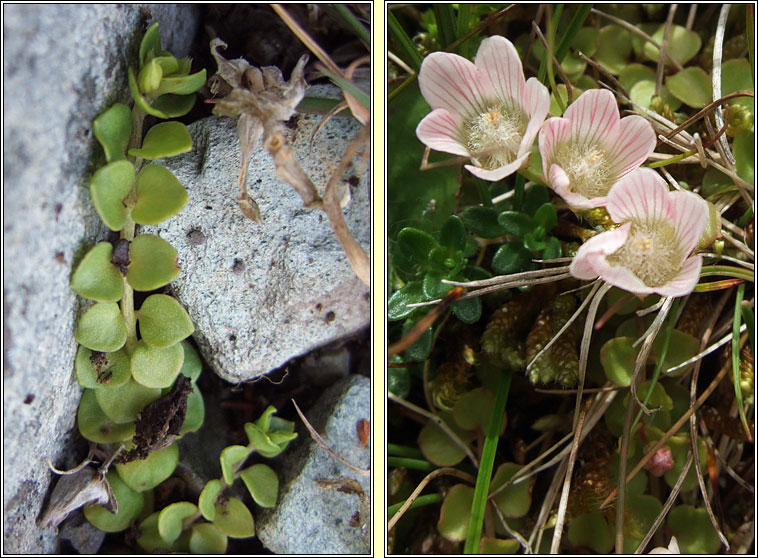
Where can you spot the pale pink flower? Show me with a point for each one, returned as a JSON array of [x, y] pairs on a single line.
[[589, 149], [650, 251], [484, 110], [673, 548]]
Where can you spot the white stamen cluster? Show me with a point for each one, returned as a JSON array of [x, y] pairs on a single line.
[[587, 167], [494, 135], [651, 252]]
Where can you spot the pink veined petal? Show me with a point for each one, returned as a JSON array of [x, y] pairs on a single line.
[[640, 196], [440, 130], [497, 57], [453, 83], [633, 144], [559, 181], [554, 131], [583, 264], [621, 277], [594, 117], [500, 172], [685, 281], [537, 102], [690, 217]]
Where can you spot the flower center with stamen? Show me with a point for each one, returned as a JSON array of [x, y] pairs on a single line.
[[495, 134], [651, 252], [587, 168]]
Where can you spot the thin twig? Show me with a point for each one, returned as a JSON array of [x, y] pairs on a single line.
[[564, 78], [322, 443], [426, 480], [662, 51]]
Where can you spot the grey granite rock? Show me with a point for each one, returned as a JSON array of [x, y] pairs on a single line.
[[63, 64], [311, 518], [260, 295]]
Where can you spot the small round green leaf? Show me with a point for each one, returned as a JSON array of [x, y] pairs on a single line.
[[104, 371], [234, 519], [473, 409], [591, 530], [468, 311], [123, 403], [108, 187], [455, 513], [420, 350], [693, 530], [453, 233], [160, 195], [150, 45], [156, 368], [262, 483], [174, 106], [510, 258], [192, 365], [206, 502], [182, 85], [102, 328], [737, 76], [516, 499], [95, 425], [546, 216], [260, 441], [195, 415], [144, 474], [164, 140], [150, 539], [617, 357], [516, 223], [744, 155], [416, 244], [230, 457], [498, 546], [149, 77], [163, 321], [483, 222], [633, 73], [96, 278], [692, 86], [397, 305], [207, 539], [130, 504], [437, 446], [171, 517], [681, 45], [153, 263], [112, 129], [613, 48]]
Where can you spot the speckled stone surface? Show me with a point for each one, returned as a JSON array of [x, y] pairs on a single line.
[[260, 295], [63, 65], [328, 521]]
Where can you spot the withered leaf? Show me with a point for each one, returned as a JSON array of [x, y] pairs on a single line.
[[160, 422], [121, 255]]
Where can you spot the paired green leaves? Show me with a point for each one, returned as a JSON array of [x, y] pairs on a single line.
[[262, 483], [96, 278], [163, 322], [102, 328], [206, 502], [160, 195], [130, 504], [230, 457], [144, 474], [112, 129], [156, 368], [109, 186], [153, 263], [164, 140], [270, 435]]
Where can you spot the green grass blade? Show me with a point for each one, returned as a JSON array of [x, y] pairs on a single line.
[[573, 28], [546, 59], [425, 500], [409, 53], [749, 318], [352, 22], [362, 97], [486, 465], [736, 356], [443, 14], [404, 451], [408, 463]]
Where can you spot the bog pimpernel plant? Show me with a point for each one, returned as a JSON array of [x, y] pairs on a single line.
[[581, 381], [137, 368]]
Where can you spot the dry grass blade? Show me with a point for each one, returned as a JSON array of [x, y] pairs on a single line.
[[558, 67], [306, 39], [563, 505], [718, 46], [426, 480], [662, 51], [322, 443]]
